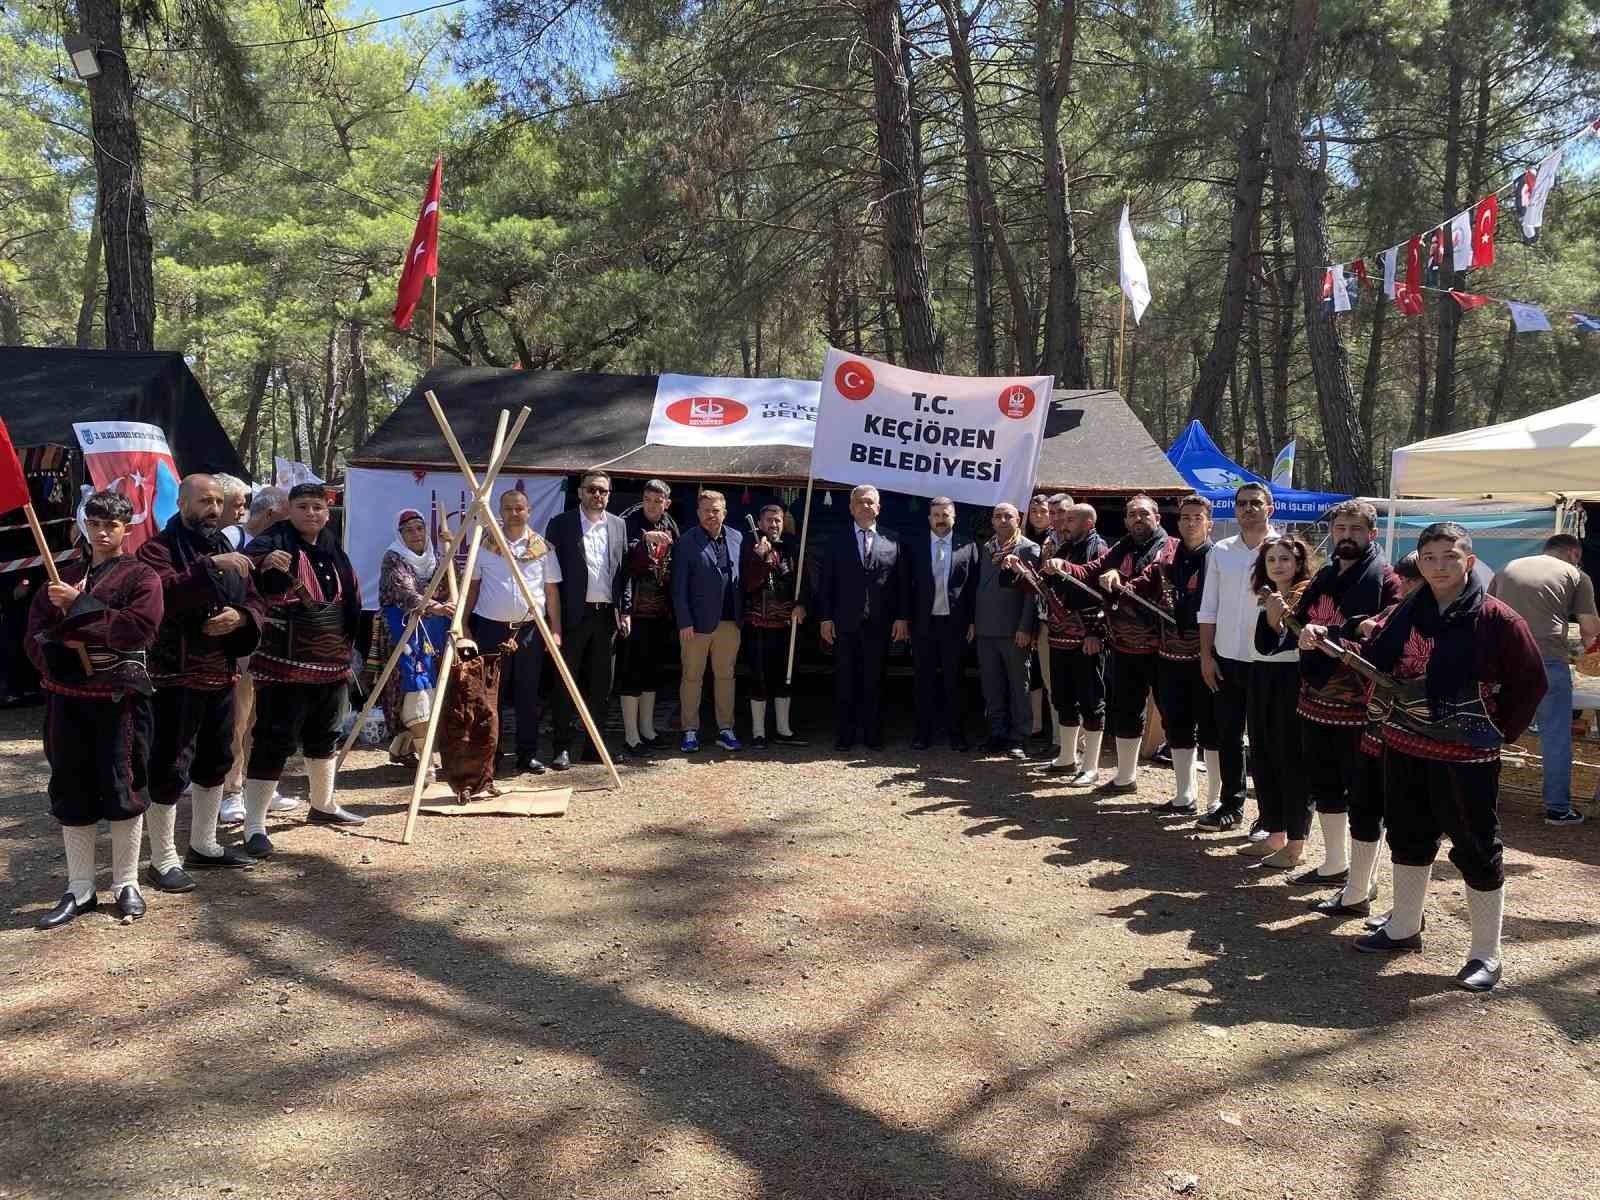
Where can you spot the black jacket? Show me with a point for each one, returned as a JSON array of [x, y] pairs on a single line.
[[856, 597]]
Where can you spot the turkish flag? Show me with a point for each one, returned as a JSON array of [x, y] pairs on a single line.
[[1488, 212], [1409, 294], [1360, 268], [1468, 301], [422, 260], [13, 483]]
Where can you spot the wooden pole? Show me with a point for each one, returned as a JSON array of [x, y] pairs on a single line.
[[54, 575], [492, 524], [799, 574], [428, 593], [1122, 331], [433, 320], [446, 660]]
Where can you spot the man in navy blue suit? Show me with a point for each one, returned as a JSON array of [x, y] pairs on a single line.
[[709, 603], [943, 582], [861, 606]]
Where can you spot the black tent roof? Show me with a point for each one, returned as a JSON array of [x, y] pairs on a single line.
[[43, 391], [1093, 442]]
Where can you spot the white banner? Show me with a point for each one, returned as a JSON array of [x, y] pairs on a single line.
[[700, 410], [974, 440], [287, 473], [373, 499]]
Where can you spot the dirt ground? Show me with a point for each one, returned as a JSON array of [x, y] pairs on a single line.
[[897, 976]]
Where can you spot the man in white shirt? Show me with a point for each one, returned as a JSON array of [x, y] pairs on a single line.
[[1228, 612], [500, 614]]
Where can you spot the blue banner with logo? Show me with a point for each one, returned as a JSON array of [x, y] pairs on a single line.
[[1216, 477]]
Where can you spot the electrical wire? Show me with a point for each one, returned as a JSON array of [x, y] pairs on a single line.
[[315, 37]]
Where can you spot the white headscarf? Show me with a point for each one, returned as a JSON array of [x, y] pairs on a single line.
[[422, 565]]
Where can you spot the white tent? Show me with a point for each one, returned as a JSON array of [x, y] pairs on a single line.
[[1552, 456]]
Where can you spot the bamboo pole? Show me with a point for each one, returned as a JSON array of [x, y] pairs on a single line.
[[428, 593], [492, 524], [799, 574], [419, 783], [433, 320]]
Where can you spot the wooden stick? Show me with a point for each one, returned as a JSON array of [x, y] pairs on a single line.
[[419, 784], [799, 573], [445, 570], [55, 577], [433, 321], [492, 524], [1122, 332]]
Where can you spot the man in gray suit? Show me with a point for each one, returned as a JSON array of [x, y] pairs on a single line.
[[1007, 619]]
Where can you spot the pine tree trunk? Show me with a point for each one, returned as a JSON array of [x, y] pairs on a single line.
[[360, 393], [250, 432], [1370, 379], [90, 291], [118, 160], [1419, 408], [1444, 387], [900, 187], [1055, 43], [1502, 378], [979, 192], [1305, 185], [1249, 179]]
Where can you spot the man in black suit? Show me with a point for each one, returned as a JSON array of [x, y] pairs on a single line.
[[944, 576], [859, 600], [596, 606]]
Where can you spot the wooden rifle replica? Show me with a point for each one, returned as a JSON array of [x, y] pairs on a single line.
[[1117, 596], [1404, 702], [1052, 602]]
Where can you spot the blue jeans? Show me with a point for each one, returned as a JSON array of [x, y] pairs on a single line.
[[1555, 737]]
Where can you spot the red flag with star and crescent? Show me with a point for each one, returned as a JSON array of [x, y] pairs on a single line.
[[423, 259], [1483, 223]]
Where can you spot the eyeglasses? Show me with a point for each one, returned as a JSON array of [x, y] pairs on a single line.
[[1258, 503], [597, 491]]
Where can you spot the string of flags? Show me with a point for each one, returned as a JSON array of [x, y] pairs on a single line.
[[1467, 242]]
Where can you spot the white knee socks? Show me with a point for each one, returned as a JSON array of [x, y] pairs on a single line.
[[1410, 894], [647, 716], [257, 800], [1335, 842], [1127, 760], [125, 853], [1183, 772], [1363, 872], [630, 719], [161, 823], [1487, 911], [1092, 739], [780, 712], [204, 802], [1213, 779], [758, 718], [79, 841], [320, 772], [1067, 738]]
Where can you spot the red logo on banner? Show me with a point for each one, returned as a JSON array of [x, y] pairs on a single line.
[[1016, 402], [854, 380], [706, 412]]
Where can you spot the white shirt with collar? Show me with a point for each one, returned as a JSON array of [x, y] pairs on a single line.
[[1227, 601], [941, 571], [499, 597], [596, 544], [865, 540]]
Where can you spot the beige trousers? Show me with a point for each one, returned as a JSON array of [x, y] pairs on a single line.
[[244, 714], [722, 647]]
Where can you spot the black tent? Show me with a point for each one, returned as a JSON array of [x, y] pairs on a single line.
[[1094, 445]]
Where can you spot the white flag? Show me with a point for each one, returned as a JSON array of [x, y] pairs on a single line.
[[1389, 256], [289, 474], [1283, 467], [1533, 211], [1135, 280], [1528, 318], [1341, 293], [1461, 240]]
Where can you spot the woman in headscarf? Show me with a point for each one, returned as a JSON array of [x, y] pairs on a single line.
[[408, 565]]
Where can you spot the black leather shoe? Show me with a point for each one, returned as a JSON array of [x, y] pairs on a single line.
[[339, 816], [1477, 976], [1379, 942], [1169, 809], [758, 742], [530, 766], [1382, 919], [258, 845], [66, 911], [788, 739], [129, 902], [1312, 879], [1333, 906], [561, 762], [174, 879], [230, 858], [1118, 789]]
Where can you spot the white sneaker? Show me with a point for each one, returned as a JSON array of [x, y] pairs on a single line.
[[1088, 777], [231, 811], [282, 803]]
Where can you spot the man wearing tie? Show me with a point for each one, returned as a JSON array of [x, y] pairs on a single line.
[[944, 576], [860, 581]]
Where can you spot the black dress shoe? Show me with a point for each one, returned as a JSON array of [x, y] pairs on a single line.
[[258, 845], [758, 742], [561, 762], [1117, 789], [1477, 976], [1169, 809], [788, 739], [230, 858], [1334, 906], [1312, 879], [174, 879], [530, 766], [921, 743], [339, 816], [1379, 942], [67, 910], [129, 902]]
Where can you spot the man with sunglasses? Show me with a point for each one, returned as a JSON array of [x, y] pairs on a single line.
[[596, 606]]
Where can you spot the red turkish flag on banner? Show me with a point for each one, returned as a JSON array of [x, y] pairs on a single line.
[[1408, 295], [13, 483], [423, 259], [1488, 212], [1469, 301], [1360, 268]]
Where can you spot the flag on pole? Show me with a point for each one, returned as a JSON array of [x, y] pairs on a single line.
[[1528, 318], [13, 483], [1135, 280], [1584, 322], [1461, 240], [1360, 268], [1483, 230], [1283, 466], [1468, 301], [422, 260]]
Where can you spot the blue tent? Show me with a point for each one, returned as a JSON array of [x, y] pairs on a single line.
[[1217, 477]]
